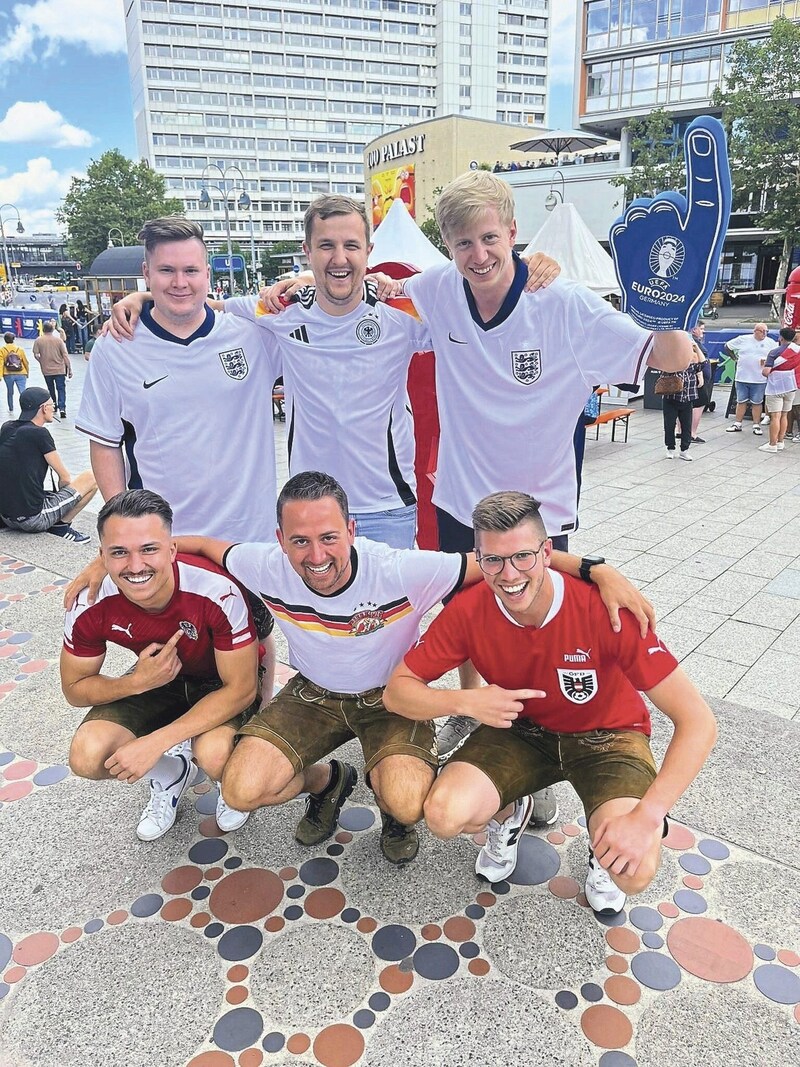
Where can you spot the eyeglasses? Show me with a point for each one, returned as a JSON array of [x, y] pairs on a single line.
[[521, 561]]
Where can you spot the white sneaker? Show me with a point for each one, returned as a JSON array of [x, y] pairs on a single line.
[[686, 457], [780, 446], [765, 420], [453, 734], [159, 814], [603, 894], [767, 448], [229, 818], [796, 438], [498, 857], [670, 453], [758, 431], [736, 428]]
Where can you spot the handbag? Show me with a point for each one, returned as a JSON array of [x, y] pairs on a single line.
[[669, 383]]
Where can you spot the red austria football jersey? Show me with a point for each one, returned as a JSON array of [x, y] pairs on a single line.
[[592, 676], [208, 605]]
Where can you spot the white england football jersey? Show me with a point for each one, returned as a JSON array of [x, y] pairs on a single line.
[[510, 394], [346, 401], [193, 417], [750, 356], [351, 641]]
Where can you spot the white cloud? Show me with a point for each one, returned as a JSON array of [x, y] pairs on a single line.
[[37, 191], [37, 122], [563, 44], [42, 27]]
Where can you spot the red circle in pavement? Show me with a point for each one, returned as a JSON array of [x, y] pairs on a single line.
[[24, 768], [15, 790], [35, 949]]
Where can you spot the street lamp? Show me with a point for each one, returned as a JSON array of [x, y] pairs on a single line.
[[555, 196], [226, 188], [116, 229], [6, 260]]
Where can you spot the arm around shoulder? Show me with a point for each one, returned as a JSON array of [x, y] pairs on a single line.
[[672, 351]]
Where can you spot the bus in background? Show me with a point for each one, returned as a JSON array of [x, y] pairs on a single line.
[[55, 285]]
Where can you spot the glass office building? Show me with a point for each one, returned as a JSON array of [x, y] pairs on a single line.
[[290, 92]]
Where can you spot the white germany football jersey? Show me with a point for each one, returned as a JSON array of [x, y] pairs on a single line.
[[510, 395], [346, 402], [351, 641], [194, 419]]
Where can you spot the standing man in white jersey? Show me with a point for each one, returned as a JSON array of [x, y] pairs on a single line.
[[216, 469]]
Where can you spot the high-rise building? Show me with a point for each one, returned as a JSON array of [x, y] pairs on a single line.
[[290, 91]]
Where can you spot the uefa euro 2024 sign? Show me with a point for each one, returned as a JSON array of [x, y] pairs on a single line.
[[666, 250]]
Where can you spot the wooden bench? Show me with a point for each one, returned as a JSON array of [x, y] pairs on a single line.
[[612, 415]]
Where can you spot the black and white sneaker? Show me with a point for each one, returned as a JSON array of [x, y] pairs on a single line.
[[69, 533], [162, 807], [498, 857], [602, 892]]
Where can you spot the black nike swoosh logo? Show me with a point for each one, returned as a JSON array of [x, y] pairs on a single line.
[[149, 385], [455, 340]]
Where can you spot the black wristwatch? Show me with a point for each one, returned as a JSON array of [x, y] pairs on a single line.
[[586, 566]]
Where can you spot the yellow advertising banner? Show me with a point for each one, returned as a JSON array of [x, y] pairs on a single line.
[[391, 185]]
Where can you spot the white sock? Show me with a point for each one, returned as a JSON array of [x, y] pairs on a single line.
[[167, 771]]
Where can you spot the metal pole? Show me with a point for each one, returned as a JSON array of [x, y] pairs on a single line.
[[230, 247], [253, 252], [6, 261]]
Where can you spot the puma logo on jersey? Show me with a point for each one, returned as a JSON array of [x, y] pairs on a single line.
[[300, 334], [578, 656], [226, 596], [123, 629]]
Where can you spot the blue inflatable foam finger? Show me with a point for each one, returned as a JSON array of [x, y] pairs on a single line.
[[666, 250]]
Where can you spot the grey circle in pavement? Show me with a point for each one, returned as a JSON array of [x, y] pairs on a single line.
[[501, 888], [566, 999], [52, 1024], [778, 983], [646, 918], [591, 991], [240, 943], [364, 1018], [335, 850], [6, 948], [209, 850], [294, 911], [474, 911], [232, 863], [207, 803], [295, 891], [611, 919], [380, 1001], [349, 915], [213, 930], [201, 892], [319, 871], [146, 905], [689, 901], [436, 961], [238, 1029], [4, 989], [714, 850], [537, 862], [50, 775], [6, 757], [655, 970], [698, 865], [21, 638], [393, 942], [93, 926], [616, 1059], [764, 952], [469, 950], [356, 818], [651, 940], [273, 1042]]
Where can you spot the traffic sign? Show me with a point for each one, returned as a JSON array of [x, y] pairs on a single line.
[[220, 264]]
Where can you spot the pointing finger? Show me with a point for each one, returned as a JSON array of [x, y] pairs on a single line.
[[707, 178]]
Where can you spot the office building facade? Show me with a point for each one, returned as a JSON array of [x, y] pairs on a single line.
[[290, 92]]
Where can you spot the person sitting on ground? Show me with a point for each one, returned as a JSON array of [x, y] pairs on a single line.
[[27, 452], [196, 676], [562, 703], [14, 368]]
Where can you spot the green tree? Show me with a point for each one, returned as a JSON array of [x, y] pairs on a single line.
[[272, 266], [760, 111], [116, 192], [657, 157], [430, 227]]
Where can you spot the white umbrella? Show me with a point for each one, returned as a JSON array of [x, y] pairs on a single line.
[[558, 141], [567, 238], [398, 239]]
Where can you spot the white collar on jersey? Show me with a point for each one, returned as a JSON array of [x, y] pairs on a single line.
[[558, 599]]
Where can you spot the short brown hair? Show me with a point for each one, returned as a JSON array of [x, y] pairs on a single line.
[[171, 228], [312, 485], [327, 206], [9, 338], [467, 197], [500, 512]]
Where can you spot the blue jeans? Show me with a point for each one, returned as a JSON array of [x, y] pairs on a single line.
[[396, 528], [11, 380], [57, 387], [752, 391]]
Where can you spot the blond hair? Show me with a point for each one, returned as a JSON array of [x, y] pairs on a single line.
[[467, 197]]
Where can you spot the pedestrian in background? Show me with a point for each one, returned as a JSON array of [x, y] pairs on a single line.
[[51, 352], [15, 370], [677, 404]]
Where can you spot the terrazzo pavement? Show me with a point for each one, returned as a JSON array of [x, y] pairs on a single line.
[[212, 950]]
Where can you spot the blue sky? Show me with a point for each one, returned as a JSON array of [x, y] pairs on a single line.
[[65, 96]]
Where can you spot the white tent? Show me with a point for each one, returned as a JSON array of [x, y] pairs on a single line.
[[567, 238], [398, 239]]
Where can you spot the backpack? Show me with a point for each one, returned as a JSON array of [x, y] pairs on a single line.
[[13, 362]]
